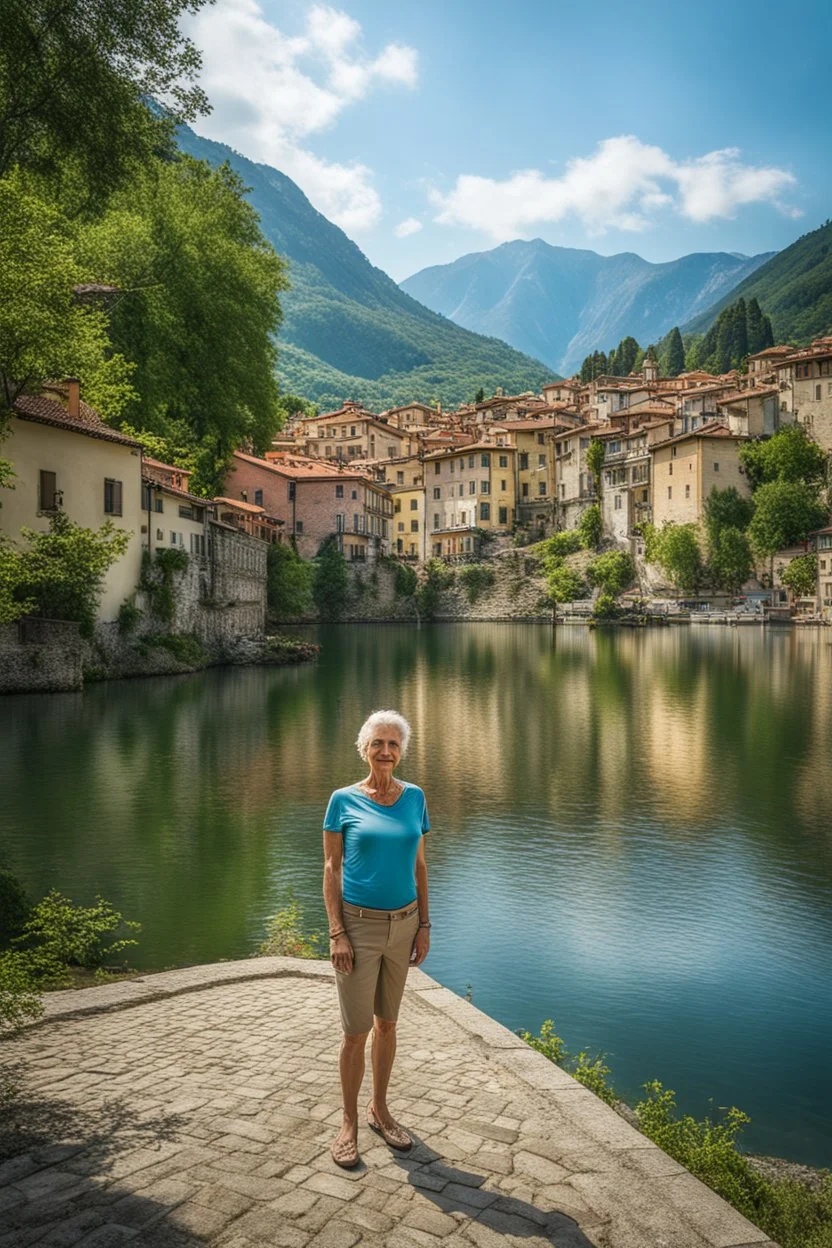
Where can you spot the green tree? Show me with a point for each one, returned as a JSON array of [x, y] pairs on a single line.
[[727, 509], [612, 572], [595, 455], [785, 512], [625, 356], [675, 548], [60, 574], [591, 527], [289, 583], [675, 360], [564, 584], [759, 328], [801, 576], [330, 581], [74, 78], [788, 455], [199, 313], [729, 558], [479, 397], [44, 332]]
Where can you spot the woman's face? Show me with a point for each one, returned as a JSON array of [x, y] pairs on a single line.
[[385, 748]]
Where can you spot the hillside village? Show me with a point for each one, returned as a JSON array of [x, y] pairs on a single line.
[[417, 483]]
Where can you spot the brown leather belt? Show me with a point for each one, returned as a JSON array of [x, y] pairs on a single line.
[[363, 912]]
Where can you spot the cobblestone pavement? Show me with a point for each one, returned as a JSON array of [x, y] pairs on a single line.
[[198, 1106]]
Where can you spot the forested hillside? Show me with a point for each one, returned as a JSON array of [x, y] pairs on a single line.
[[348, 330]]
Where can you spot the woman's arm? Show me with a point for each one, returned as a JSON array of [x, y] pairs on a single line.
[[340, 948], [421, 944]]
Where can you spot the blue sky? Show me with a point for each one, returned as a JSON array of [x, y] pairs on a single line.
[[434, 129]]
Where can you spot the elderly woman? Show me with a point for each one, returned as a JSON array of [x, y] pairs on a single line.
[[376, 894]]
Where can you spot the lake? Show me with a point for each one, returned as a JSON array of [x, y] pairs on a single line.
[[631, 832]]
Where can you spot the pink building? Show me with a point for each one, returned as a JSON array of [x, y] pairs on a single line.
[[316, 500]]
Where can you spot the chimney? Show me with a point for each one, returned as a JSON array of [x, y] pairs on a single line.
[[73, 397]]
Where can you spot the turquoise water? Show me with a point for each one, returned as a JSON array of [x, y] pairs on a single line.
[[631, 832]]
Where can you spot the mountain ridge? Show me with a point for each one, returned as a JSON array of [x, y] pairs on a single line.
[[348, 330], [560, 303]]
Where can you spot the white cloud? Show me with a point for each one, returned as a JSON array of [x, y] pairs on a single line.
[[407, 227], [622, 185], [270, 92]]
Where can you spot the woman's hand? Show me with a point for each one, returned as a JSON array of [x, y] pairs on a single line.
[[421, 945], [340, 954]]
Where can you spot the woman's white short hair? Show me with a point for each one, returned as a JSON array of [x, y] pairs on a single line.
[[382, 719]]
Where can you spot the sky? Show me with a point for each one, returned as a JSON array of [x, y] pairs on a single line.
[[429, 130]]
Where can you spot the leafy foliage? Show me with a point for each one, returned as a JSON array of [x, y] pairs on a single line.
[[788, 455], [674, 355], [285, 937], [14, 907], [801, 576], [564, 584], [60, 574], [595, 455], [730, 562], [289, 583], [612, 572], [406, 582], [330, 581], [19, 992], [565, 542], [74, 77], [438, 576], [591, 527], [785, 512], [675, 548], [156, 580], [186, 648], [58, 935]]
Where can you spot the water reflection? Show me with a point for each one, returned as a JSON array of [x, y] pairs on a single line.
[[630, 830]]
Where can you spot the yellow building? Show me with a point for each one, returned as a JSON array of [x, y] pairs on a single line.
[[65, 456], [686, 468], [408, 521], [467, 489], [534, 463]]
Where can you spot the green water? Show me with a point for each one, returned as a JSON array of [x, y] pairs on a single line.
[[631, 832]]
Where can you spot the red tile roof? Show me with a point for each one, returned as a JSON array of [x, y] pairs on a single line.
[[753, 392], [43, 411], [713, 429]]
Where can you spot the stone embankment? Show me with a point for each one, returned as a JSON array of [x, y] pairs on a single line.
[[197, 1106]]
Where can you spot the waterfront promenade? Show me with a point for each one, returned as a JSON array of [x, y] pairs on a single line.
[[197, 1106]]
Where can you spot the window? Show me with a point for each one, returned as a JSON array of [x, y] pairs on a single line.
[[563, 491], [463, 517], [437, 468], [584, 443], [472, 487], [198, 544], [436, 520], [670, 469], [541, 461], [339, 522], [437, 493], [352, 431], [339, 491], [687, 491], [818, 391], [391, 451], [503, 461], [503, 515], [399, 478], [414, 526], [541, 487], [485, 511], [485, 487], [618, 502], [298, 526], [503, 486], [670, 491], [525, 489], [400, 526], [524, 460], [112, 497], [540, 439], [258, 498], [48, 490], [159, 505], [354, 494], [461, 488], [188, 513], [485, 460], [453, 465], [397, 508], [414, 504], [471, 459], [673, 451]]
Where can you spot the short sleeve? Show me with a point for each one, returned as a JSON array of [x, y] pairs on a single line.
[[333, 819], [425, 819]]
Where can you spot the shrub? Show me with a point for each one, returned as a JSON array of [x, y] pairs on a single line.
[[591, 527], [128, 616], [285, 936], [406, 582], [801, 576], [185, 647], [330, 581], [156, 580], [475, 579], [564, 584], [438, 576], [58, 935], [289, 582], [606, 607], [19, 993], [612, 572]]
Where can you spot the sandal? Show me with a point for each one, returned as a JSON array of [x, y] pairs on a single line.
[[344, 1153], [395, 1136]]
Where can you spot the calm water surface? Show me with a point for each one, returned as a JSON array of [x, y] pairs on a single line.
[[631, 832]]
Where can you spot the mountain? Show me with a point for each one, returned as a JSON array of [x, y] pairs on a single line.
[[560, 303], [794, 288], [348, 330]]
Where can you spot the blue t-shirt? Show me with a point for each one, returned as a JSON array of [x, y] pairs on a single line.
[[380, 845]]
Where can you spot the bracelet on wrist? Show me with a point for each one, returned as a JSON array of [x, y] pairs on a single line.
[[426, 925]]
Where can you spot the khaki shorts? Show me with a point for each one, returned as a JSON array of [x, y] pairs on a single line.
[[381, 957]]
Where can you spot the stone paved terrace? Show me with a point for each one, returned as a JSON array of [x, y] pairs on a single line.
[[197, 1106]]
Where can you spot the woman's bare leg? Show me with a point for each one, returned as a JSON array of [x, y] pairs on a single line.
[[383, 1055], [351, 1066]]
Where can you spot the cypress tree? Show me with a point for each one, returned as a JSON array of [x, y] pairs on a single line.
[[755, 327], [768, 333], [675, 363], [740, 346], [724, 340]]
